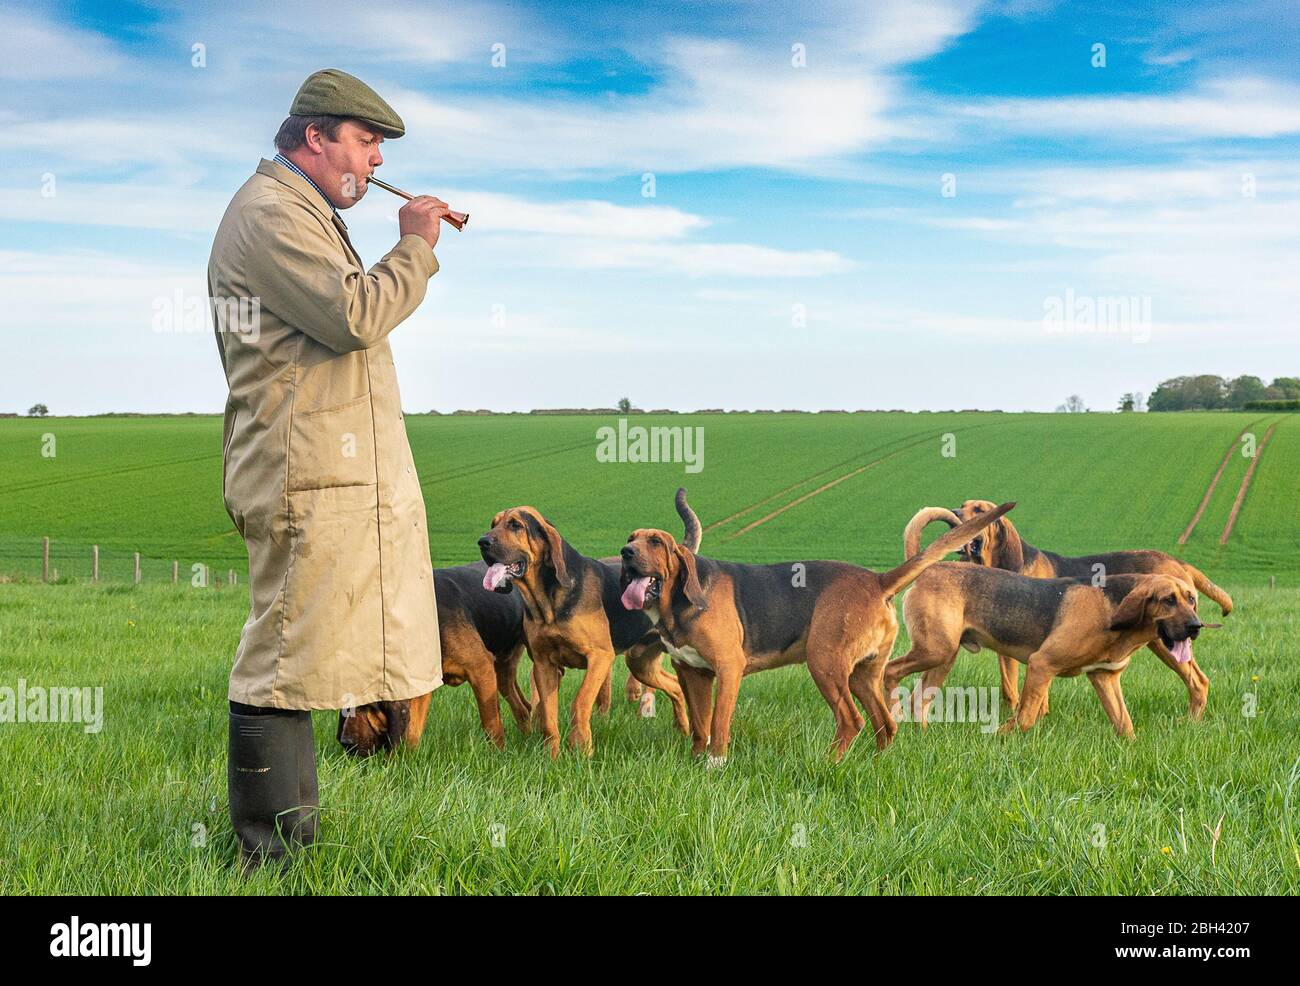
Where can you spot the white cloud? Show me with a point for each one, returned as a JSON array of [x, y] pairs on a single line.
[[493, 212], [722, 107], [34, 49], [1167, 59], [133, 205], [895, 32], [419, 34], [744, 260], [1242, 107], [91, 144]]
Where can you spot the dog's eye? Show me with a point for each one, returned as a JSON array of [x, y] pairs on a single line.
[[515, 525], [1170, 600]]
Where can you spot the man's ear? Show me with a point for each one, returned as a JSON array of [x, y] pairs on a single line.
[[555, 553], [691, 586], [1011, 550], [1132, 610]]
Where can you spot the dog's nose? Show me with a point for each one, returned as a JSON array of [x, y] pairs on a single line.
[[484, 542], [1193, 630], [626, 552]]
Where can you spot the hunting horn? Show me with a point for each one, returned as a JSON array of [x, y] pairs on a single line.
[[457, 219]]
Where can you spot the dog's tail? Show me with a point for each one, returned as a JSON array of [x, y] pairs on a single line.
[[924, 517], [1203, 584], [897, 579], [692, 531]]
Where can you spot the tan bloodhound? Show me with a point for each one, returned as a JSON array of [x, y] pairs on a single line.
[[725, 620], [1058, 627], [1001, 546]]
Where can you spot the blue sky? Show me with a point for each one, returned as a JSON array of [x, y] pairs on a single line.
[[799, 250]]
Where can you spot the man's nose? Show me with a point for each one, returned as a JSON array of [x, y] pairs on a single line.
[[377, 158]]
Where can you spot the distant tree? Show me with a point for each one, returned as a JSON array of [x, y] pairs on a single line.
[[1073, 405], [624, 405], [1245, 389], [1169, 395], [1132, 401], [37, 411], [1200, 393], [1284, 389]]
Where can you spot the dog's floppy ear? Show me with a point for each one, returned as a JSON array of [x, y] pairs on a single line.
[[496, 519], [691, 586], [399, 720], [555, 552], [1133, 609], [1011, 550]]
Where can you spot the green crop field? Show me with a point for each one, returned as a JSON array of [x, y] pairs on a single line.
[[138, 806], [1084, 483]]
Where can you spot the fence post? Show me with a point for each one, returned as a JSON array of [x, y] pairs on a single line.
[[230, 580], [1272, 581], [94, 563], [175, 566], [137, 568], [45, 559]]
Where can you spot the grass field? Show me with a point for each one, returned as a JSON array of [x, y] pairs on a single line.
[[1084, 483], [139, 807]]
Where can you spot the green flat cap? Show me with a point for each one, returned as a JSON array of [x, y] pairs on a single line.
[[330, 92]]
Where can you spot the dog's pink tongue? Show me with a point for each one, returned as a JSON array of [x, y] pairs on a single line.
[[634, 594], [1182, 651], [493, 576]]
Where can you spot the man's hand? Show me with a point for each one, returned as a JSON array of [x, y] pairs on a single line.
[[423, 217]]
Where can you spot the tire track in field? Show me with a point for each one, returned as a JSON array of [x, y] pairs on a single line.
[[834, 482], [502, 463], [1209, 492], [808, 479], [22, 487], [1245, 484], [794, 486]]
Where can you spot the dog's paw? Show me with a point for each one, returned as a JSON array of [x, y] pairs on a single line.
[[647, 707], [715, 763]]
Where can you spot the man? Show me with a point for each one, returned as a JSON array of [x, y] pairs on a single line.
[[317, 471]]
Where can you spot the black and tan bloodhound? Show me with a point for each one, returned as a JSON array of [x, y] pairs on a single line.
[[726, 620], [482, 637], [573, 618], [1002, 547], [1058, 627]]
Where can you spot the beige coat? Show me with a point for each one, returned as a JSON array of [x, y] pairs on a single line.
[[317, 471]]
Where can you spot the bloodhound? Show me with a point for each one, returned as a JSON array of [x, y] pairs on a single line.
[[482, 637], [573, 619], [1002, 547], [726, 620], [1058, 627]]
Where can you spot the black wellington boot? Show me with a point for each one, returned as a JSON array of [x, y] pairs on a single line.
[[271, 778]]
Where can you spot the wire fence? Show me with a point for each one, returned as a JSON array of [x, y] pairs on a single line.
[[49, 560]]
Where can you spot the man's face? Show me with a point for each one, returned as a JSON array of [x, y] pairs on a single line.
[[344, 165]]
